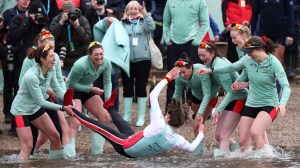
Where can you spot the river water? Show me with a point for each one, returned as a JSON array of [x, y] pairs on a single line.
[[274, 157]]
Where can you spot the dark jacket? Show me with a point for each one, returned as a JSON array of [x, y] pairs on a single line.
[[51, 9], [21, 34], [80, 37], [157, 14], [275, 17], [92, 16]]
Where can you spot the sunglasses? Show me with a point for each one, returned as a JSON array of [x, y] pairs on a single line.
[[46, 35], [92, 44], [204, 45], [180, 63], [237, 26], [248, 45]]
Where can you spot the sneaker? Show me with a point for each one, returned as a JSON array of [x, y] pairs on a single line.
[[7, 119]]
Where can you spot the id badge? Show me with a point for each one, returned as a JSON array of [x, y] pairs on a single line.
[[134, 41], [243, 3]]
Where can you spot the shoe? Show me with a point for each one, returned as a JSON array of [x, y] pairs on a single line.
[[70, 150], [219, 153], [234, 147], [68, 97], [97, 143], [111, 101], [142, 102], [57, 154], [8, 119], [127, 109]]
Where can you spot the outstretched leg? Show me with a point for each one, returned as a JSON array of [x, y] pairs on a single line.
[[115, 138], [121, 124]]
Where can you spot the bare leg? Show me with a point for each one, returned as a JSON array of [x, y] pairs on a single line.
[[25, 137], [244, 132], [259, 127], [226, 125]]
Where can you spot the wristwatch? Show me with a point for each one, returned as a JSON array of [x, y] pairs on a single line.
[[62, 108]]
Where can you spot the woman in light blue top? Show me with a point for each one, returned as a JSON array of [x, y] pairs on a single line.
[[57, 117], [262, 105], [29, 106]]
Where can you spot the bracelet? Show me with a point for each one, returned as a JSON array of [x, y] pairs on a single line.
[[62, 108], [168, 79]]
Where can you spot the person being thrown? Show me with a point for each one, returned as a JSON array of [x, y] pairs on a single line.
[[157, 137]]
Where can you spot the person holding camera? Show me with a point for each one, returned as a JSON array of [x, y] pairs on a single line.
[[72, 33], [22, 28], [95, 13]]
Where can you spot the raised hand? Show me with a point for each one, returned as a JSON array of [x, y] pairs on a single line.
[[173, 73]]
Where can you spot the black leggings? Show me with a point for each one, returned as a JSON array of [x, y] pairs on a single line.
[[116, 139]]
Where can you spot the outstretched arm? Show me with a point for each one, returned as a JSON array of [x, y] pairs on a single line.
[[156, 117], [182, 143]]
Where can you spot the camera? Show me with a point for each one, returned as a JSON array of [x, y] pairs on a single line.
[[100, 2], [74, 14], [40, 19], [62, 51]]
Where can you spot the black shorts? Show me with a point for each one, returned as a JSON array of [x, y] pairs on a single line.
[[83, 96], [24, 120], [236, 106], [252, 112], [212, 103]]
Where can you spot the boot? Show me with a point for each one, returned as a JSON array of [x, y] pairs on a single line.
[[200, 148], [127, 109], [97, 143], [70, 150], [234, 147], [141, 111], [57, 154], [219, 153]]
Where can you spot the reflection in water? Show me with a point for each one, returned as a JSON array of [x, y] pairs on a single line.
[[271, 158]]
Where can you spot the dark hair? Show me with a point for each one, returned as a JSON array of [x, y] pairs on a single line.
[[91, 49], [179, 113], [38, 53], [268, 45], [212, 48], [184, 57]]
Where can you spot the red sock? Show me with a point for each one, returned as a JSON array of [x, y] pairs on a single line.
[[111, 101], [68, 97]]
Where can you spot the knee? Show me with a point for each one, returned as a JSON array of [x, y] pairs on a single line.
[[74, 123]]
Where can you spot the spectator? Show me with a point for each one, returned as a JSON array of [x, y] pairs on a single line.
[[51, 9], [291, 53], [157, 15], [182, 34], [234, 12], [72, 35], [138, 29]]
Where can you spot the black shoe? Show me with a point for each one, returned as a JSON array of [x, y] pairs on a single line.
[[7, 119]]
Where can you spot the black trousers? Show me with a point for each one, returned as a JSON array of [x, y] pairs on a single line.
[[139, 74]]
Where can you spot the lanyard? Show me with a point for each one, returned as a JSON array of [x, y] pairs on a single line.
[[69, 32], [48, 8], [135, 26]]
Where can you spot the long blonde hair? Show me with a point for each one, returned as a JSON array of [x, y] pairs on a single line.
[[132, 3]]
